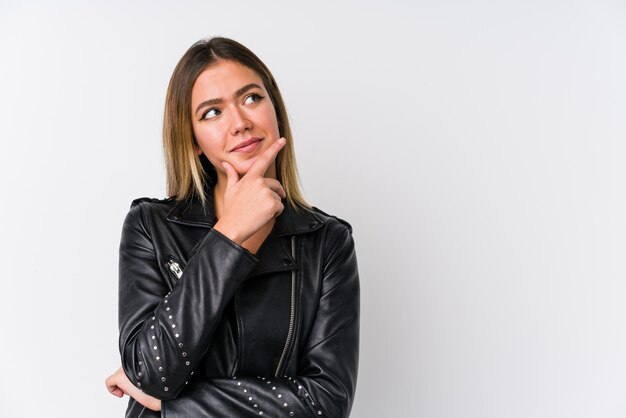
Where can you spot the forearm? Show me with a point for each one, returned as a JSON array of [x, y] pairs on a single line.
[[163, 336], [245, 396], [327, 370]]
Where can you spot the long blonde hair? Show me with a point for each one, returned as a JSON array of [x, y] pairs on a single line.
[[187, 174]]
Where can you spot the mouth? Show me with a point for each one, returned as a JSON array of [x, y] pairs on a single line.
[[248, 145]]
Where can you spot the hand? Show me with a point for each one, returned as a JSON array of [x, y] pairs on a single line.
[[252, 200], [119, 385]]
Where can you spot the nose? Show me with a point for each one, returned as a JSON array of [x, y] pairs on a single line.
[[239, 121]]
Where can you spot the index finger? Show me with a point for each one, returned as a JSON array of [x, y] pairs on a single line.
[[260, 166]]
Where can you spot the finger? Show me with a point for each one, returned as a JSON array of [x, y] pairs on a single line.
[[117, 392], [276, 187], [113, 388], [231, 174], [280, 209], [262, 163], [276, 196]]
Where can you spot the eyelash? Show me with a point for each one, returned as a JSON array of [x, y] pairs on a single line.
[[258, 96]]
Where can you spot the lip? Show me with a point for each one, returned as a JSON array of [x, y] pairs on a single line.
[[245, 143]]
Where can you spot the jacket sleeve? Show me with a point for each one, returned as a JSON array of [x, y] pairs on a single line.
[[326, 380], [159, 342]]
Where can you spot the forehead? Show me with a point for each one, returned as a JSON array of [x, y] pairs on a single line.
[[221, 80]]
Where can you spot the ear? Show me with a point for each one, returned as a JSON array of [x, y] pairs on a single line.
[[198, 149]]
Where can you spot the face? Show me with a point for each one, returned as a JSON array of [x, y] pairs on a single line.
[[230, 107]]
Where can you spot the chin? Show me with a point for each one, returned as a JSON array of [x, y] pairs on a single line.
[[243, 167]]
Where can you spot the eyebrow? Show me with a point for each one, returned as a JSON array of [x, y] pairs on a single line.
[[238, 93]]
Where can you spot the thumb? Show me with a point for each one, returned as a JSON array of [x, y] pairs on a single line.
[[231, 174]]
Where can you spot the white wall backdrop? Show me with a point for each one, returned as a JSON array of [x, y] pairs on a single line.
[[477, 148]]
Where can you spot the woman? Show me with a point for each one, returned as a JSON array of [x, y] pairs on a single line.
[[236, 297]]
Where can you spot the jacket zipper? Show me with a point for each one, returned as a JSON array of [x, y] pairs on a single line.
[[174, 267], [292, 315]]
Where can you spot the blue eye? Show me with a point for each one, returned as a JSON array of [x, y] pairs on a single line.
[[208, 115], [214, 112], [256, 97]]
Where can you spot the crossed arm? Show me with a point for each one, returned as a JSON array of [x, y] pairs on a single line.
[[162, 378]]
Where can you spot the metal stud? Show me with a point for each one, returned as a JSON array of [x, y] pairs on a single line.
[[166, 388]]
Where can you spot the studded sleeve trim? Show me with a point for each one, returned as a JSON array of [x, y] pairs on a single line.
[[327, 371], [164, 334]]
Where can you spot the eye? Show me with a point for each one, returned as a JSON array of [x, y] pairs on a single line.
[[255, 98], [210, 113]]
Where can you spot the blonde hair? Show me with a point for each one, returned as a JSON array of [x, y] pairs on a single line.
[[187, 174]]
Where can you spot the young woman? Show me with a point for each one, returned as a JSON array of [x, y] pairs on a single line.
[[236, 297]]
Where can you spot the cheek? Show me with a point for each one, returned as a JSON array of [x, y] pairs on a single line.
[[207, 138], [272, 120]]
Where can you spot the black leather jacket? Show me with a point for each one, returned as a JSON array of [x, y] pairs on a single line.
[[216, 331]]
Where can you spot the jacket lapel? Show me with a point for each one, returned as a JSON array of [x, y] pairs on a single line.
[[275, 253]]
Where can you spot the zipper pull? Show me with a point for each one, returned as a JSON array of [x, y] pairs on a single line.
[[175, 268]]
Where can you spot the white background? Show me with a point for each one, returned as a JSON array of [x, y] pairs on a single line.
[[477, 148]]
